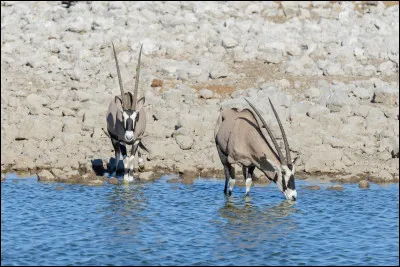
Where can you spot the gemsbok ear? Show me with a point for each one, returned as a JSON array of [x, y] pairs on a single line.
[[118, 99], [291, 165], [140, 103]]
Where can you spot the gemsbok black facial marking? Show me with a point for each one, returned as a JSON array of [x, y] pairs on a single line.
[[291, 184]]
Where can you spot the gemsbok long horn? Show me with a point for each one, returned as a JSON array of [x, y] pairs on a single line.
[[119, 79], [135, 93], [288, 158], [282, 159]]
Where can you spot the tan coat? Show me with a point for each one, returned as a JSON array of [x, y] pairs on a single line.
[[238, 136]]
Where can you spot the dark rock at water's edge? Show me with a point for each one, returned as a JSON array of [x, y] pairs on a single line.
[[187, 181], [147, 176], [45, 175], [336, 187], [363, 184], [173, 180], [313, 187], [113, 180], [69, 175]]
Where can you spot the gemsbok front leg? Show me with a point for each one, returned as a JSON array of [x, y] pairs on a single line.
[[117, 150], [248, 174], [127, 173], [227, 177], [132, 157], [232, 179]]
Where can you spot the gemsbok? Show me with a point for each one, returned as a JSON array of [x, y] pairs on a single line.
[[126, 123], [239, 139]]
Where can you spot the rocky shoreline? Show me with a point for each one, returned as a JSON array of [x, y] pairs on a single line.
[[331, 70]]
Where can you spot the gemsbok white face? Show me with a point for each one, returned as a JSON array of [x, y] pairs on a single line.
[[129, 122], [286, 182], [130, 118]]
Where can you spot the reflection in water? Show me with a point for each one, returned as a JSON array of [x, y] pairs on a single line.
[[124, 211], [126, 197], [251, 227], [236, 212]]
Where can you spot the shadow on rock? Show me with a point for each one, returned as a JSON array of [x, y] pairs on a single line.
[[98, 167], [111, 165]]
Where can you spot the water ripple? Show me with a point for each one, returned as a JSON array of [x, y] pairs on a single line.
[[162, 223]]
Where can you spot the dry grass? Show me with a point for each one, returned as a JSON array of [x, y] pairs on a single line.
[[223, 90], [256, 73], [390, 3]]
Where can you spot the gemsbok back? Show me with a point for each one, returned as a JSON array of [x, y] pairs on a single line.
[[239, 139], [126, 123]]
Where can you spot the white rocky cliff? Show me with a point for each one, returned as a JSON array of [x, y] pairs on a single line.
[[331, 70]]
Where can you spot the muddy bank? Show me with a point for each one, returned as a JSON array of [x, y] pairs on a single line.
[[331, 70], [188, 177]]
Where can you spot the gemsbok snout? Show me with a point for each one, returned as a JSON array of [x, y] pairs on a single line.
[[126, 123], [239, 139]]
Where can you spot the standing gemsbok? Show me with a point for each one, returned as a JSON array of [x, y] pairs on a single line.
[[239, 139], [126, 122]]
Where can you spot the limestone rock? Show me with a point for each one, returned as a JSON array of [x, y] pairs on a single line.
[[336, 187], [206, 93], [45, 175], [146, 176], [313, 187], [363, 184], [219, 70], [184, 142]]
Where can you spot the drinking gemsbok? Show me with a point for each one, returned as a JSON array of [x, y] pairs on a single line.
[[239, 139]]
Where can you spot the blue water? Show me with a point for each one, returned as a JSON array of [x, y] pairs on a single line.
[[162, 223]]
